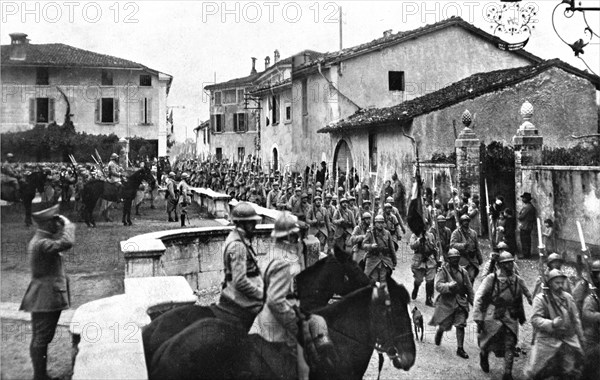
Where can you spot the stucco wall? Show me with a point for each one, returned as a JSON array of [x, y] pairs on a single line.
[[565, 195], [564, 104], [230, 141], [82, 88]]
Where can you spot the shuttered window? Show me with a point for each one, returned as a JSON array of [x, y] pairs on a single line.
[[41, 110], [107, 111], [146, 111], [239, 122]]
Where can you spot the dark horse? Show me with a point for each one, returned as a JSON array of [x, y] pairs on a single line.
[[96, 189], [211, 348], [28, 186], [316, 286]]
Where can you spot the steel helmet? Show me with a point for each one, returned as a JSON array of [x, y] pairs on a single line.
[[172, 174], [505, 257], [465, 217], [318, 198], [379, 218], [9, 155], [553, 257], [453, 252], [441, 218], [389, 200], [185, 175], [351, 198], [387, 205], [343, 200], [554, 273], [502, 246], [366, 215], [286, 224], [113, 156], [244, 211], [596, 266], [304, 195], [366, 201], [328, 195]]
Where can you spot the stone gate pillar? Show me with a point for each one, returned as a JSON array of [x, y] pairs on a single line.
[[528, 151], [467, 158]]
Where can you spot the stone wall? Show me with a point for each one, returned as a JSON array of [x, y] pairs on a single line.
[[566, 194]]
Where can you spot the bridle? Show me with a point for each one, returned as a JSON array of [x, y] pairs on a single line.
[[385, 345]]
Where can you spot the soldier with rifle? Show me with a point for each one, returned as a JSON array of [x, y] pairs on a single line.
[[425, 263], [465, 241], [381, 254]]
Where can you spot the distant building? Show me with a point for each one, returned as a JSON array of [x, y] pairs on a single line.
[[106, 94], [203, 139]]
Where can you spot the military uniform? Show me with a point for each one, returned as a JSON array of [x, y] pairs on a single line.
[[590, 319], [380, 260], [272, 199], [343, 220], [424, 264], [318, 220], [455, 295], [114, 171], [359, 253], [242, 294], [470, 255], [48, 291], [444, 238]]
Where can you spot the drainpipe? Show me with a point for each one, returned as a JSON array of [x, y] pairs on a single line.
[[335, 88]]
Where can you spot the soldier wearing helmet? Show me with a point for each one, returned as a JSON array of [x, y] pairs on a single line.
[[343, 220], [381, 254], [273, 196], [555, 261], [442, 234], [358, 236], [242, 294], [452, 304], [317, 218], [366, 206], [354, 208], [464, 239], [590, 314], [499, 331], [392, 224], [424, 264], [295, 203], [9, 173], [114, 170], [557, 350], [184, 196], [277, 322], [394, 211]]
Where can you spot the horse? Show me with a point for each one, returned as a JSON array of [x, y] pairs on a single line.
[[28, 186], [375, 316], [317, 284], [97, 188]]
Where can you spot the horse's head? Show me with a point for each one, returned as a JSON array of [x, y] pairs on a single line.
[[143, 174], [390, 322]]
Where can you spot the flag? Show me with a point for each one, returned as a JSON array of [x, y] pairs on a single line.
[[414, 218]]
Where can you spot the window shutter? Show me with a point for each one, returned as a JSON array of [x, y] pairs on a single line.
[[116, 110], [149, 110], [97, 110], [51, 110], [142, 120], [32, 111], [235, 122]]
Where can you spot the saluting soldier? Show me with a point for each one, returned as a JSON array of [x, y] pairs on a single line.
[[452, 303], [381, 253], [48, 291], [424, 265], [318, 220], [465, 241], [498, 311], [242, 294]]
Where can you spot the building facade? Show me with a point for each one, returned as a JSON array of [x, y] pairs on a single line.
[[105, 94]]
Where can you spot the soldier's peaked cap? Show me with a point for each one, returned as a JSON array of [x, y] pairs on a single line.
[[45, 215]]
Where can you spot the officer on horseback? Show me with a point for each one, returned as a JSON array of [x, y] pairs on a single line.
[[242, 295], [278, 320], [9, 173], [114, 171]]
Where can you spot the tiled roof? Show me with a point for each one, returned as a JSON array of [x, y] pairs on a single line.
[[468, 88], [396, 38], [66, 56], [250, 79]]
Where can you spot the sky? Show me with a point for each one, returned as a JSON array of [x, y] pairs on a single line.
[[198, 42]]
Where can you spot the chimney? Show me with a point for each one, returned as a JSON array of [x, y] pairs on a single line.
[[18, 42], [253, 71], [387, 33], [275, 56], [267, 62]]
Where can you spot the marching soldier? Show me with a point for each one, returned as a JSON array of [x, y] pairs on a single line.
[[452, 304], [242, 294], [465, 241], [366, 206], [557, 347], [424, 265], [555, 261], [295, 202], [591, 312], [394, 211], [442, 234], [304, 207], [381, 254], [343, 219], [273, 196], [498, 311], [358, 236], [392, 225], [318, 220], [184, 196], [172, 197], [48, 292]]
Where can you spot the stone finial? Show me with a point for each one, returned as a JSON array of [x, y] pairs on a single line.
[[467, 118], [526, 114]]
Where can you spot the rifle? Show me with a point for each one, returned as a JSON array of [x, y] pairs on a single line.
[[488, 214]]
